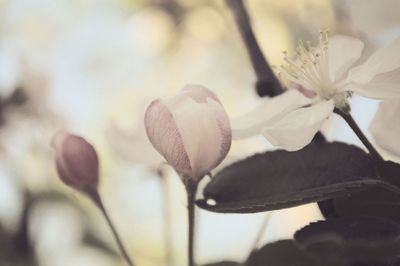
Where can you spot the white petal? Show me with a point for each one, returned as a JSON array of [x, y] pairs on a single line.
[[205, 131], [384, 60], [385, 126], [343, 52], [382, 86], [224, 126], [296, 129], [267, 113]]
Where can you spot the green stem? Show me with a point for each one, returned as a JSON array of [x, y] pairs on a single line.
[[95, 196], [191, 189], [350, 121], [261, 231]]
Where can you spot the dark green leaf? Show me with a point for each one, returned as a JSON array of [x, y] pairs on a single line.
[[390, 171], [390, 262], [225, 263], [284, 253], [376, 202], [367, 239], [280, 253], [327, 208], [281, 179]]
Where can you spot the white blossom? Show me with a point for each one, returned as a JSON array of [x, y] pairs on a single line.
[[322, 78], [191, 130]]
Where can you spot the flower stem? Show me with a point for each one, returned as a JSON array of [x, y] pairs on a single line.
[[191, 189], [95, 196], [350, 121], [267, 84], [261, 231]]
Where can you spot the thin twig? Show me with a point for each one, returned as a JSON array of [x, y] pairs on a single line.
[[267, 84], [95, 196], [261, 231], [350, 121]]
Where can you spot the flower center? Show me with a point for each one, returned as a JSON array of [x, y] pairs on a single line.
[[310, 67]]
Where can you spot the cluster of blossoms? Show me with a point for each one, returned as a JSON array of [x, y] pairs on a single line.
[[193, 132]]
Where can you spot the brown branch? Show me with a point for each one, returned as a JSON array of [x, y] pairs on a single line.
[[267, 84]]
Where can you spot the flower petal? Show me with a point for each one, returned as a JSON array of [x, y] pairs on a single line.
[[163, 133], [385, 126], [296, 129], [267, 112], [191, 130], [382, 86], [198, 93], [207, 139], [76, 160], [343, 52], [383, 60]]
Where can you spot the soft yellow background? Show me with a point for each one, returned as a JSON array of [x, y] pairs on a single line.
[[92, 67]]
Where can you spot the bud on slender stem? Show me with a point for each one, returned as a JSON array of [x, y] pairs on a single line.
[[78, 167], [192, 131], [77, 162]]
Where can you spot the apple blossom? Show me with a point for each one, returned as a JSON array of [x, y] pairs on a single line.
[[326, 75], [77, 161], [191, 130]]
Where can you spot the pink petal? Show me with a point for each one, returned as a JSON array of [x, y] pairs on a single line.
[[163, 133], [306, 92], [77, 161]]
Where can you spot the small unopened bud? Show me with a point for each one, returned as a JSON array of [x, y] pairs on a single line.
[[191, 130], [77, 162]]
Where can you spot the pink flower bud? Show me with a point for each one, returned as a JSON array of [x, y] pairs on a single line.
[[77, 161], [191, 130]]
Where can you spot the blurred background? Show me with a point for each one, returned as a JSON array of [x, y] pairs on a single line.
[[92, 67]]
